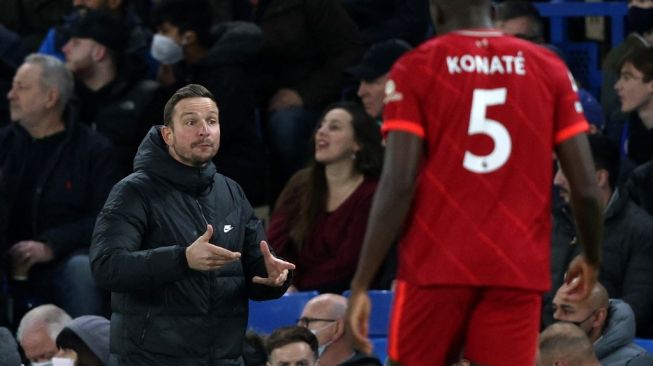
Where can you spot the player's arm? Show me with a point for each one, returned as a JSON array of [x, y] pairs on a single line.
[[576, 161], [391, 204]]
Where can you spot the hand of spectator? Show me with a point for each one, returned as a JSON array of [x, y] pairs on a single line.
[[285, 98], [165, 75], [26, 253], [276, 268], [358, 319], [204, 256], [581, 278]]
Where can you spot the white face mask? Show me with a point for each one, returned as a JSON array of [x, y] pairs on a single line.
[[43, 363], [165, 50], [61, 361], [321, 349]]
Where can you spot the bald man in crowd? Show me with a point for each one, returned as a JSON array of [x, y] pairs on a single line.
[[609, 324]]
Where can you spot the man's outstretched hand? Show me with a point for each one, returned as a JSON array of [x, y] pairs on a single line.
[[277, 269], [204, 256], [358, 319]]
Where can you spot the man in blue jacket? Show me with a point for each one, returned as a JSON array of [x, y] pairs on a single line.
[[180, 248]]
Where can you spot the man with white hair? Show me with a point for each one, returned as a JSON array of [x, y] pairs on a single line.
[[39, 329]]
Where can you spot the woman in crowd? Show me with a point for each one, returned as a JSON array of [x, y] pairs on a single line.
[[320, 217]]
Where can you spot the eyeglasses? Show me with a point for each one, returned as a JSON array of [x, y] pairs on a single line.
[[306, 321]]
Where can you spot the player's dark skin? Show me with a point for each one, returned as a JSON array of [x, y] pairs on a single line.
[[397, 186]]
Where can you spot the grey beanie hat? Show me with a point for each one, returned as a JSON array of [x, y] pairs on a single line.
[[94, 331]]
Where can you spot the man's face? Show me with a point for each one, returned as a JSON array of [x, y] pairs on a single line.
[[79, 54], [579, 313], [293, 354], [317, 320], [519, 26], [37, 344], [194, 138], [634, 93], [372, 93], [560, 181], [170, 31], [28, 100]]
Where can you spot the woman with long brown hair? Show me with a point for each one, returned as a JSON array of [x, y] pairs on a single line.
[[321, 215]]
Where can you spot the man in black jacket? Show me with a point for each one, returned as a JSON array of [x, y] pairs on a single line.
[[56, 175], [626, 270], [180, 247]]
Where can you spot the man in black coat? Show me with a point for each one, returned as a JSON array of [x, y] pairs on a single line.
[[56, 175], [626, 270], [180, 248]]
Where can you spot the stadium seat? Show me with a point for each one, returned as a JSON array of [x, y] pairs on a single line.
[[381, 308], [647, 344], [380, 347], [266, 316]]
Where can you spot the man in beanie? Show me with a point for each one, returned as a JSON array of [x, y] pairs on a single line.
[[373, 71], [114, 103]]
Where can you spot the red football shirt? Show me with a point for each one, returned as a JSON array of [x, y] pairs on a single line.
[[490, 109]]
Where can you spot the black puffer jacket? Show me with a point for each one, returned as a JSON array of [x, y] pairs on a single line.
[[163, 312]]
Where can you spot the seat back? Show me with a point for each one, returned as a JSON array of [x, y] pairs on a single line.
[[266, 316]]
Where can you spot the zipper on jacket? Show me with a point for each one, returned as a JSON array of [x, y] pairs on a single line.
[[202, 214], [145, 325]]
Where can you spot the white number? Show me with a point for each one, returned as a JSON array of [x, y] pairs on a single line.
[[480, 124]]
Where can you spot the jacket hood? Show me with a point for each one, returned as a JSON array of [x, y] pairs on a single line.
[[93, 330], [619, 331], [153, 157]]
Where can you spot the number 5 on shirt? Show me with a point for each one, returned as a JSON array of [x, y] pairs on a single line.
[[480, 124]]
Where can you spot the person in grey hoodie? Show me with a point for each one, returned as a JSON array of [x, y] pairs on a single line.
[[609, 324]]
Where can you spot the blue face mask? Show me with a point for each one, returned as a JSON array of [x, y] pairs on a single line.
[[640, 19]]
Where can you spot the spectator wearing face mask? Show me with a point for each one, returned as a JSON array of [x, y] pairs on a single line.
[[609, 324], [324, 316]]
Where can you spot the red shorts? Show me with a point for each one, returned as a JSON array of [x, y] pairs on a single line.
[[436, 325]]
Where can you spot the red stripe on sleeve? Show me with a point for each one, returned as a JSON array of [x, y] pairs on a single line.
[[571, 131], [403, 125]]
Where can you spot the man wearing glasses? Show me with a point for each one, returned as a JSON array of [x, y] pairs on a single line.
[[609, 324], [324, 316]]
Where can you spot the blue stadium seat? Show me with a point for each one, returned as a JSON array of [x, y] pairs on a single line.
[[380, 348], [266, 316], [381, 309], [647, 344]]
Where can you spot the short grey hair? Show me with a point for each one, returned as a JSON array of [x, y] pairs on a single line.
[[54, 75], [51, 316]]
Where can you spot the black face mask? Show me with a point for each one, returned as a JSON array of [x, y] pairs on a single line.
[[640, 19]]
